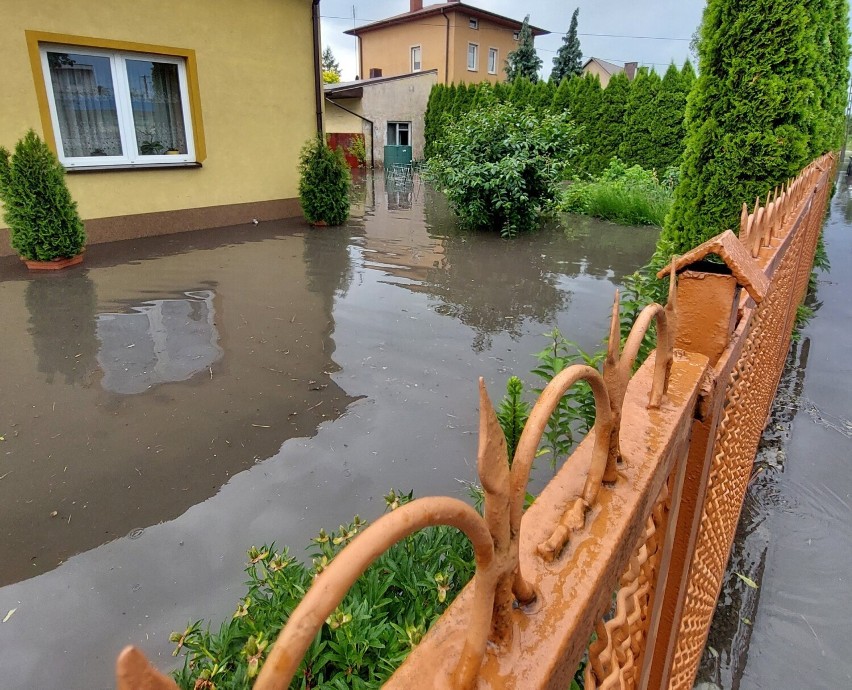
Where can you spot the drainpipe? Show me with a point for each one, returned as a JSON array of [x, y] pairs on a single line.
[[446, 48], [372, 130], [318, 89]]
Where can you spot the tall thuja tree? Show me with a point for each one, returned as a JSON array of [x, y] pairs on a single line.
[[562, 97], [832, 75], [610, 124], [667, 131], [637, 146], [541, 95], [520, 92], [523, 61], [586, 98], [750, 117], [432, 118], [569, 58]]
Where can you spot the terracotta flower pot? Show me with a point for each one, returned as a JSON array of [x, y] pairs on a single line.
[[54, 265], [319, 224]]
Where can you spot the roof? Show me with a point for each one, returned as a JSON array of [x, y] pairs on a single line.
[[608, 67], [443, 8], [355, 89]]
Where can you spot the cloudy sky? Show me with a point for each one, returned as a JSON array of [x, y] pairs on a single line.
[[651, 33]]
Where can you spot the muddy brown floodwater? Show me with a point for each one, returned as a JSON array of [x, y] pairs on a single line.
[[175, 400], [794, 540]]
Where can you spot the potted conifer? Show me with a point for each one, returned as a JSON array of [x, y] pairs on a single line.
[[323, 184], [42, 217]]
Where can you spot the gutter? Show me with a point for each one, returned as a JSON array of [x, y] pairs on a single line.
[[318, 86], [372, 130], [446, 48]]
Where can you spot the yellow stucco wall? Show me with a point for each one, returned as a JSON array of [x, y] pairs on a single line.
[[255, 82], [338, 120], [389, 48], [595, 68]]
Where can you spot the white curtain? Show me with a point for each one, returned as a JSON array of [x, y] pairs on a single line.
[[157, 109], [85, 105]]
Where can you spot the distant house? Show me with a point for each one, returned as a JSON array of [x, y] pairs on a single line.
[[461, 42], [118, 89], [383, 110], [606, 70]]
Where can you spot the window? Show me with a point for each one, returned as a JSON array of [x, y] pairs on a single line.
[[117, 108], [474, 23], [399, 134], [415, 59], [492, 61], [516, 35], [472, 56]]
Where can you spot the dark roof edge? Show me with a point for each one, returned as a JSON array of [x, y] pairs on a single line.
[[441, 9], [346, 86]]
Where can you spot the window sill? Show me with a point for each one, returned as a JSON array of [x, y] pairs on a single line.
[[126, 167]]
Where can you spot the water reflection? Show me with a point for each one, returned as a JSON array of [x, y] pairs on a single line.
[[161, 340], [62, 324]]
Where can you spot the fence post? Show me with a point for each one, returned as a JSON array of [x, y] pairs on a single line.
[[707, 322]]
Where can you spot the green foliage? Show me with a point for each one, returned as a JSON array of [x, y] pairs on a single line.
[[626, 195], [523, 61], [637, 144], [384, 615], [330, 66], [569, 58], [359, 150], [575, 413], [772, 74], [512, 413], [38, 208], [667, 132], [324, 183], [604, 135], [501, 166]]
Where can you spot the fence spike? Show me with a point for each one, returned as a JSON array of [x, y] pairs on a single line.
[[744, 223]]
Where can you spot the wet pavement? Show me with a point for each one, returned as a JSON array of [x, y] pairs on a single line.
[[177, 399], [794, 539]]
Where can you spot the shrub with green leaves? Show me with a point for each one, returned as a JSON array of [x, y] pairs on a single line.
[[38, 207], [501, 166], [324, 183], [384, 615]]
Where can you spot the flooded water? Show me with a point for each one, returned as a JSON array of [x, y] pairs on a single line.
[[175, 400], [794, 539]]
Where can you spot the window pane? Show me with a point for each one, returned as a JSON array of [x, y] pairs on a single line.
[[85, 104], [492, 60], [391, 139], [471, 56], [157, 108], [415, 59], [403, 139]]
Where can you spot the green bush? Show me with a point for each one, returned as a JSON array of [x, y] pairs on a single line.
[[384, 616], [626, 195], [501, 166], [323, 183], [39, 210]]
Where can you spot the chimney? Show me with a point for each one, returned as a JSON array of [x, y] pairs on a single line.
[[630, 69], [375, 72], [416, 5]]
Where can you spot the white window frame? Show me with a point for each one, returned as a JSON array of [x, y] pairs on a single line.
[[121, 93], [473, 23], [516, 35], [406, 125], [475, 47], [496, 54], [419, 50]]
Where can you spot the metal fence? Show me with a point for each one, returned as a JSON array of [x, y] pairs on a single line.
[[621, 556]]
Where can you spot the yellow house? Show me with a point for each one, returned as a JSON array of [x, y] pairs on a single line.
[[463, 43], [169, 116], [607, 70]]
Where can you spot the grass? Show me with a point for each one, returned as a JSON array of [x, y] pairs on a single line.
[[625, 195]]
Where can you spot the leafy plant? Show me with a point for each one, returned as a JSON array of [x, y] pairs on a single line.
[[512, 413], [384, 616], [359, 151], [501, 166], [324, 183], [39, 210]]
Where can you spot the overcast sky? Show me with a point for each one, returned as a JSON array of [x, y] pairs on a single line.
[[667, 26]]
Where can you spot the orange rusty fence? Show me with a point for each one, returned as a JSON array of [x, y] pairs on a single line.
[[622, 555]]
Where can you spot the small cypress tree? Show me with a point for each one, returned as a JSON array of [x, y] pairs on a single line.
[[569, 58], [324, 183], [431, 118], [39, 210], [523, 61], [585, 107], [637, 147], [609, 129], [750, 114]]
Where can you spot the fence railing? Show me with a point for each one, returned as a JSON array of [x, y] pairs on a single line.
[[628, 544]]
